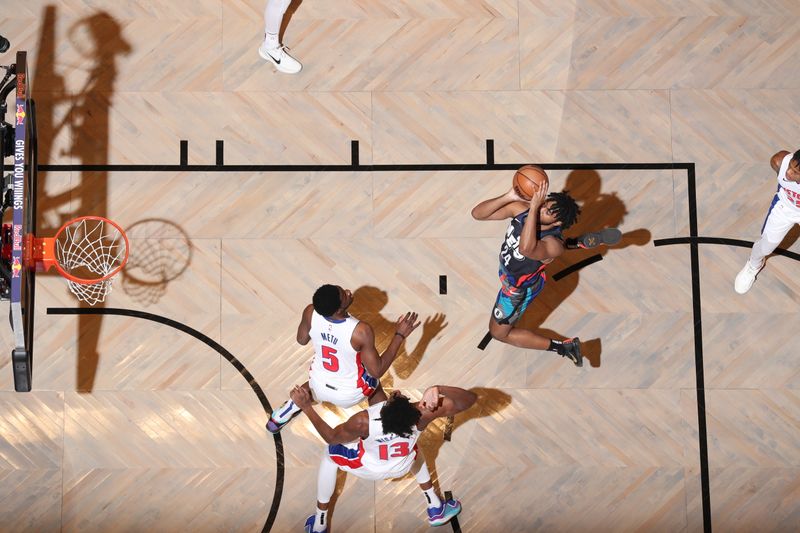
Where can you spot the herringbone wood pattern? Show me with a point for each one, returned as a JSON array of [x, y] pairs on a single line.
[[135, 426]]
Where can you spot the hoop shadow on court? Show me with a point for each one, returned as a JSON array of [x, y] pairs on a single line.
[[367, 304], [598, 210], [160, 252], [98, 41]]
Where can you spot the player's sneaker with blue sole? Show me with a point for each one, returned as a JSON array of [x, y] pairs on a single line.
[[439, 516], [309, 527]]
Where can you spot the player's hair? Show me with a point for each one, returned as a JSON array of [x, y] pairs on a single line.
[[796, 157], [399, 416], [327, 300], [565, 208]]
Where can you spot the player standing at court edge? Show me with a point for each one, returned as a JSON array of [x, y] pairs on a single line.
[[346, 367], [784, 212], [533, 239], [381, 443], [271, 49]]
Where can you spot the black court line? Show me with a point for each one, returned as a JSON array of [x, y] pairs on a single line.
[[724, 241], [184, 154], [214, 345], [442, 284], [356, 168], [693, 240], [354, 153], [577, 266], [220, 153], [698, 353], [454, 521], [484, 341]]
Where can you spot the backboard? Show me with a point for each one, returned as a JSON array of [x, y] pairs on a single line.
[[23, 187]]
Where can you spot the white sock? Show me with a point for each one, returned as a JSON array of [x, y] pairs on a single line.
[[284, 412], [432, 499], [271, 41], [321, 520]]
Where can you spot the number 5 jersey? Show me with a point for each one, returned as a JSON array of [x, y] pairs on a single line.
[[337, 374]]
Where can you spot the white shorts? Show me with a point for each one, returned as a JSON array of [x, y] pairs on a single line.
[[343, 397], [780, 219]]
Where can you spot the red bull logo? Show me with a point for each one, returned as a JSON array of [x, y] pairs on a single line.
[[20, 85], [16, 268], [20, 114]]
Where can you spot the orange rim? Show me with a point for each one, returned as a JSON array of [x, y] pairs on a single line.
[[48, 246]]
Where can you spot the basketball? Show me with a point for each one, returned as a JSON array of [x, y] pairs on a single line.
[[527, 179]]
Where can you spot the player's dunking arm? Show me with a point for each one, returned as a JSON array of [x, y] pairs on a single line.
[[363, 341], [776, 160], [505, 206], [357, 426], [304, 329], [441, 400]]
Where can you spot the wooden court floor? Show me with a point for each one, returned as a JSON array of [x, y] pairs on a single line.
[[134, 425]]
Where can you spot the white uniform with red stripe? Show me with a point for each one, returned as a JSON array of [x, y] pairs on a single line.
[[337, 374], [380, 455], [784, 212]]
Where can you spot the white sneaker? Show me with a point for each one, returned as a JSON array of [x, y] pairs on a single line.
[[745, 278], [280, 59]]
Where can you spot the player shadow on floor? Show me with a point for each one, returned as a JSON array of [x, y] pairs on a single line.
[[99, 42], [367, 304], [598, 210], [287, 17], [489, 403]]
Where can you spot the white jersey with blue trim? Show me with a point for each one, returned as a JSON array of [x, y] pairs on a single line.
[[788, 191], [387, 453], [336, 362], [378, 456]]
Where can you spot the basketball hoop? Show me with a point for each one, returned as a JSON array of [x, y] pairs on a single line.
[[88, 251]]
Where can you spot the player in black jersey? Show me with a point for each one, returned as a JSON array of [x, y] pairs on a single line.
[[533, 239]]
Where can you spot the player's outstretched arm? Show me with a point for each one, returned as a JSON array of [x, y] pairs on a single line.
[[529, 244], [355, 427], [505, 206], [442, 400], [377, 365], [304, 328]]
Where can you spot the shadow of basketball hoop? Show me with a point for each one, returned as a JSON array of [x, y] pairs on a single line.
[[160, 252]]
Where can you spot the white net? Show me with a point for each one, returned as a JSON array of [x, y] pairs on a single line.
[[90, 249]]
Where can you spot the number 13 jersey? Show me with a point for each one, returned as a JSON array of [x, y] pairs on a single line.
[[337, 365], [380, 455]]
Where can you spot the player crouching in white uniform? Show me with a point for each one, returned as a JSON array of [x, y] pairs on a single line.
[[784, 212], [346, 367], [381, 443]]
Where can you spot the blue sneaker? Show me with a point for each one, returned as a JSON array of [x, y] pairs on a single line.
[[274, 427], [439, 516], [309, 527]]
